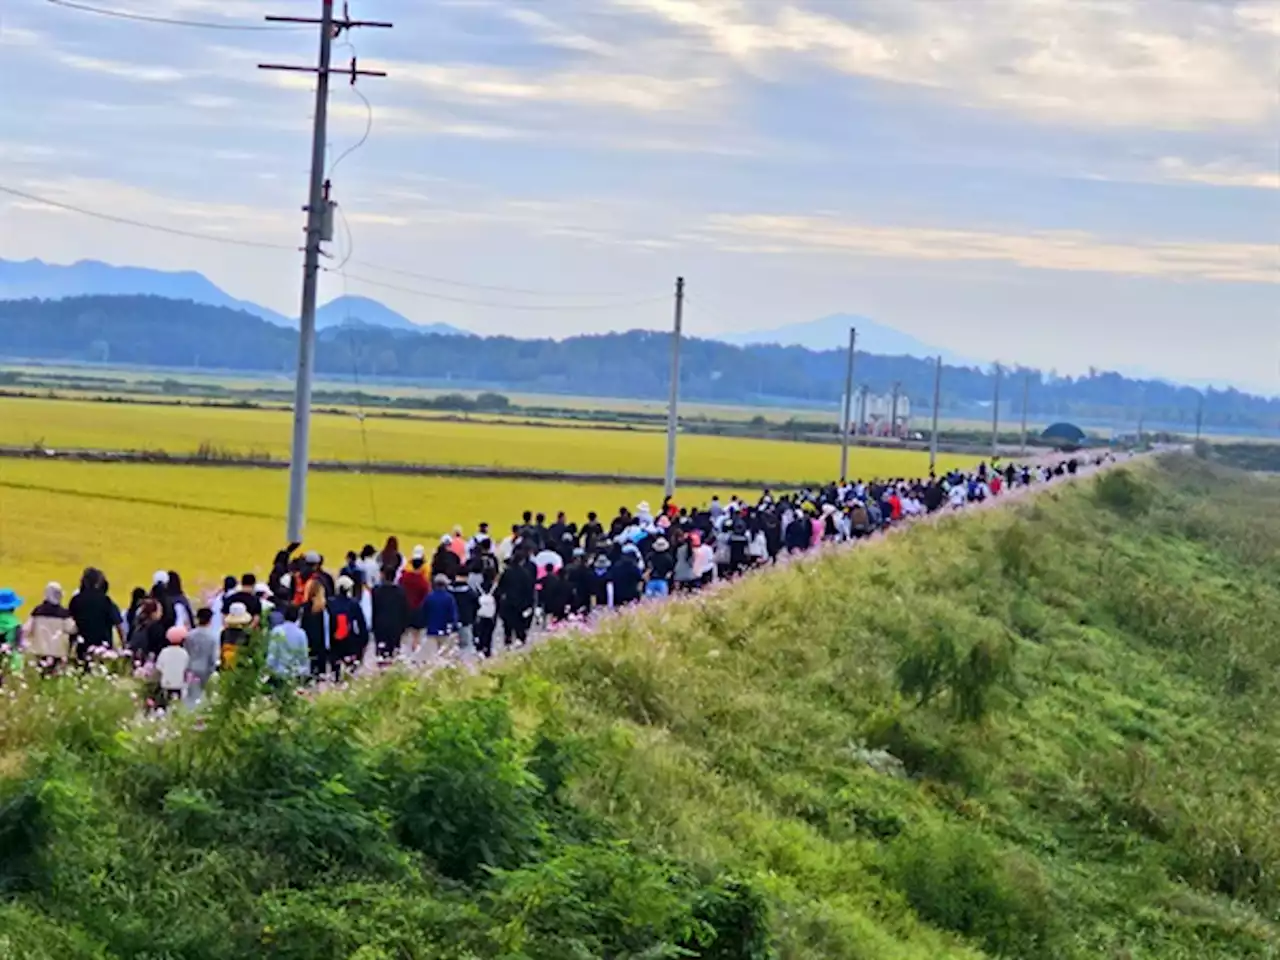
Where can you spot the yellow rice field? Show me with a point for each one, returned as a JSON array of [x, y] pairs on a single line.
[[57, 518], [65, 424]]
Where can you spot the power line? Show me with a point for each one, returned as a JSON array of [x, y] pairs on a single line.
[[167, 21], [368, 127], [142, 224], [507, 306]]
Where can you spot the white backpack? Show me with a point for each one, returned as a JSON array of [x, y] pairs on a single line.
[[488, 607]]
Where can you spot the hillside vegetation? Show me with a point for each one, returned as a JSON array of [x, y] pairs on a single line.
[[1044, 731]]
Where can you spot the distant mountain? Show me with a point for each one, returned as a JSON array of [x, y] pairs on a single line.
[[832, 333], [20, 279], [25, 279], [363, 312]]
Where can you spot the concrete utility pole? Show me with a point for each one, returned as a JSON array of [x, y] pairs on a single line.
[[995, 417], [673, 406], [846, 406], [319, 229], [1026, 394], [937, 397]]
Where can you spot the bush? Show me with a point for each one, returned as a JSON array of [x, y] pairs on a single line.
[[466, 797], [954, 879], [1124, 493]]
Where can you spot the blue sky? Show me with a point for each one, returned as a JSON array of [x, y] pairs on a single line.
[[1065, 183]]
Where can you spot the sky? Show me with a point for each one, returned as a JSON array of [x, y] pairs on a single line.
[[1059, 183]]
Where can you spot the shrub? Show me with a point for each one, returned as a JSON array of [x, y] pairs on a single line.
[[467, 798], [954, 879], [1124, 493]]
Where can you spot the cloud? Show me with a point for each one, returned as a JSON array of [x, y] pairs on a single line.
[[121, 69], [1060, 250], [1121, 63], [488, 84], [1221, 173]]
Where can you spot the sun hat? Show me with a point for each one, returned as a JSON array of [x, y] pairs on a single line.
[[446, 540], [311, 556], [237, 616], [345, 583], [660, 545], [9, 601], [176, 634], [160, 577]]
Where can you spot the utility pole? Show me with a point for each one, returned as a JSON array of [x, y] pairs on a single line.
[[995, 417], [893, 410], [846, 406], [673, 407], [1026, 394], [319, 229], [937, 396]]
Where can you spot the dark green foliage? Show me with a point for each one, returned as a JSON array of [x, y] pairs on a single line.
[[1124, 492], [464, 795]]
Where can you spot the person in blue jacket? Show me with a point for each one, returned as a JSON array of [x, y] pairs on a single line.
[[440, 610], [625, 576]]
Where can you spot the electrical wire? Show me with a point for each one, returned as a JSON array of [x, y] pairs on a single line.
[[142, 224], [172, 21], [368, 126], [509, 306]]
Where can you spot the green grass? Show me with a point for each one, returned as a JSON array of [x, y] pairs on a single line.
[[1047, 731]]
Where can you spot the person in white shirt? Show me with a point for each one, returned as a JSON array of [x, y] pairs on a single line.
[[172, 666]]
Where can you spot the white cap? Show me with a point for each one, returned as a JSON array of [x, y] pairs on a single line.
[[446, 540], [419, 552], [160, 577]]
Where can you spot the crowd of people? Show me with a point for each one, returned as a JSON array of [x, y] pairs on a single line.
[[470, 592]]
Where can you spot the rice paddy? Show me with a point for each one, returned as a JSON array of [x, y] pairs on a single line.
[[131, 519], [68, 424]]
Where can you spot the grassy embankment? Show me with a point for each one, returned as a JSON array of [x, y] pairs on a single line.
[[1046, 731]]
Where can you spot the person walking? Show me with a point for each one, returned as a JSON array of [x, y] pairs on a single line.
[[439, 615], [202, 649], [659, 570], [236, 624], [486, 616], [172, 666], [348, 631], [416, 585], [98, 619], [315, 623], [49, 631], [392, 616], [467, 599], [10, 631], [516, 598]]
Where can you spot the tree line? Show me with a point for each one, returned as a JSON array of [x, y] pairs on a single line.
[[154, 331]]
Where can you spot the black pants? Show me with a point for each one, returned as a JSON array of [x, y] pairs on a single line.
[[515, 626], [485, 627]]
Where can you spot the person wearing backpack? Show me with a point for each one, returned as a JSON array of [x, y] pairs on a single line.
[[348, 631], [486, 616]]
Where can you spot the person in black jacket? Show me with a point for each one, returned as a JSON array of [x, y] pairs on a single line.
[[467, 598], [581, 583], [348, 632], [556, 596], [516, 598], [391, 614]]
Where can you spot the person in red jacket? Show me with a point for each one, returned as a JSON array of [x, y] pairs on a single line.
[[415, 580]]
